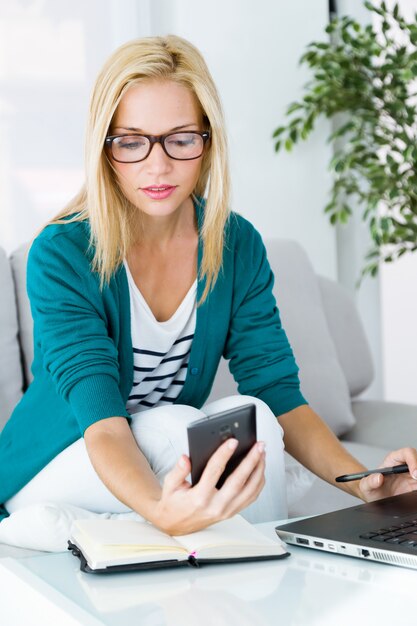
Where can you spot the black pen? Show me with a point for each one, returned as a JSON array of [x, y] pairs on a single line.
[[396, 469]]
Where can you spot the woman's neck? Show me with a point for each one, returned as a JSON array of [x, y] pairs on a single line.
[[162, 230]]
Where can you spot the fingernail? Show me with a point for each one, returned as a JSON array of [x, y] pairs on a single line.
[[414, 474], [232, 444], [261, 447], [182, 462]]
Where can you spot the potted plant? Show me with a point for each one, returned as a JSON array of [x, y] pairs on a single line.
[[364, 79]]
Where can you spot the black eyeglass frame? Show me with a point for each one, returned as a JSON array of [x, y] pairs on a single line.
[[153, 139]]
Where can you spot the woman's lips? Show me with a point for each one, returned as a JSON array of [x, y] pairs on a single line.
[[158, 192]]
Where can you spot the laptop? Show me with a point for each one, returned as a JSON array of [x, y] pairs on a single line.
[[383, 531]]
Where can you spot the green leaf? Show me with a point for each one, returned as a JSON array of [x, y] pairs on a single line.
[[373, 8], [385, 224], [304, 132], [288, 144], [330, 206], [295, 106], [278, 131], [296, 121], [278, 146], [331, 26], [339, 166]]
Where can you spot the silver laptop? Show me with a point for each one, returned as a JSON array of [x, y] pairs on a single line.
[[383, 531]]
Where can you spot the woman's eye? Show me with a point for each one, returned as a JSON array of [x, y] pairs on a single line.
[[132, 144], [181, 141]]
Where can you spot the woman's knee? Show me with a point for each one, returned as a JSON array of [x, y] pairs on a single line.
[[161, 434], [166, 419], [265, 418]]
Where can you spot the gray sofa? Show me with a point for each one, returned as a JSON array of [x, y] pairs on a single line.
[[329, 344]]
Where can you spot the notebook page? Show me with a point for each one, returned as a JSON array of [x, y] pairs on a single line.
[[122, 534], [233, 537]]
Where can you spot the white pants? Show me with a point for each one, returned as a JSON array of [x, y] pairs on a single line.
[[161, 434]]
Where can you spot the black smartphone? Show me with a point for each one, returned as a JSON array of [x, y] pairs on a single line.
[[207, 434]]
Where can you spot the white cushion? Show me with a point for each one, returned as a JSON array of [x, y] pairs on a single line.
[[11, 380], [47, 526]]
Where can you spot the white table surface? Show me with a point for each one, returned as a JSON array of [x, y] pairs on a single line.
[[308, 588]]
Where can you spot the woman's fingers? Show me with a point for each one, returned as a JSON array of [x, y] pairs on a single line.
[[216, 465], [245, 478], [377, 486], [404, 455], [184, 509], [176, 477], [246, 494]]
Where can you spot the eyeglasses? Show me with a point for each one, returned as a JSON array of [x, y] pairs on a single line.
[[179, 146]]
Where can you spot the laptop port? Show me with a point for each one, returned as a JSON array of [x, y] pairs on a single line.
[[365, 553], [302, 541], [319, 544]]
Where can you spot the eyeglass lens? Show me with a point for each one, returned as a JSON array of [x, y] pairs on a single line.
[[130, 148]]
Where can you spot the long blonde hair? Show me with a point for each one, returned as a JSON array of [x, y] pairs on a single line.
[[101, 201]]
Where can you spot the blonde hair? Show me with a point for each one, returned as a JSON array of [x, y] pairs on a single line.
[[101, 200]]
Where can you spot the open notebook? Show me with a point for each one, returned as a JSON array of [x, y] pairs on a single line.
[[105, 545]]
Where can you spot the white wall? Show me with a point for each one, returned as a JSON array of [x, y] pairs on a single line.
[[50, 53], [399, 309]]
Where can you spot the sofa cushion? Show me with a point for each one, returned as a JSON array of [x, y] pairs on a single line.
[[11, 380], [18, 261], [381, 421], [297, 291], [348, 334]]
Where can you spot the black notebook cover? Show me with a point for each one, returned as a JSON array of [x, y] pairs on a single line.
[[134, 567]]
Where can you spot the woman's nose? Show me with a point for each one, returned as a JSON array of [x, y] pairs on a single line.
[[158, 160]]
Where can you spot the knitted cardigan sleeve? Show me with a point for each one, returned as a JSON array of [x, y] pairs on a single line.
[[71, 328], [261, 358]]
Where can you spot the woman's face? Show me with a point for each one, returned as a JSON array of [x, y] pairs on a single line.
[[158, 185]]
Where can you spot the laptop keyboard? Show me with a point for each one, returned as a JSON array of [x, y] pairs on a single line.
[[404, 534]]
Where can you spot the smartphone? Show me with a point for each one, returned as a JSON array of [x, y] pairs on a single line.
[[207, 434]]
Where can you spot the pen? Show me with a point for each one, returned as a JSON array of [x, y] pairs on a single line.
[[396, 469]]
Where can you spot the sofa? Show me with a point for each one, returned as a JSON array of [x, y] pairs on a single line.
[[330, 347]]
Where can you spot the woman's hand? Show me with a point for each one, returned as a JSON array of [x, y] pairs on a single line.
[[377, 486], [184, 509]]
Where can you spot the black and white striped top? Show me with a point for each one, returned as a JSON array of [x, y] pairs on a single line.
[[161, 350]]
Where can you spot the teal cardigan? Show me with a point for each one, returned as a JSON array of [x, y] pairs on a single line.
[[83, 362]]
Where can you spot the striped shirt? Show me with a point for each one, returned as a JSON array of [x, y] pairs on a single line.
[[161, 350]]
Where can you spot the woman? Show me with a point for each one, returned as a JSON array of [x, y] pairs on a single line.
[[137, 288]]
